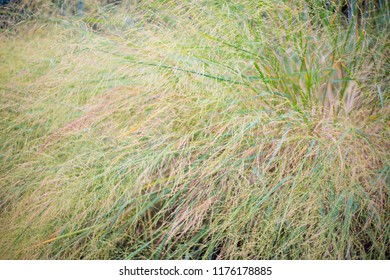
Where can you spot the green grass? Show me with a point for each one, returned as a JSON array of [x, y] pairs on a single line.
[[204, 130]]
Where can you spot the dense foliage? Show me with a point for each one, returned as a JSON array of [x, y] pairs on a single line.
[[195, 130]]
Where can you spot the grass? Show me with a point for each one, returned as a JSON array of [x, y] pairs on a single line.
[[199, 130]]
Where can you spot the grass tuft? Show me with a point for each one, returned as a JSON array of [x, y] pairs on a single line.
[[195, 130]]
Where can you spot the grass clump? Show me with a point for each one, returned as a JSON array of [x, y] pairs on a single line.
[[199, 130]]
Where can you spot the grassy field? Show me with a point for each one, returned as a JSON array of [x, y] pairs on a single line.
[[195, 130]]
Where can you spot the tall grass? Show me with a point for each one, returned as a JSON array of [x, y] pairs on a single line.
[[195, 130]]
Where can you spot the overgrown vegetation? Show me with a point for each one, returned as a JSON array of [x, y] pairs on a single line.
[[195, 130]]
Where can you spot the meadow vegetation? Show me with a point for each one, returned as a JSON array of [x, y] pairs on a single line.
[[195, 130]]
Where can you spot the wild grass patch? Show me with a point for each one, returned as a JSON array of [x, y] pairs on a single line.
[[204, 130]]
